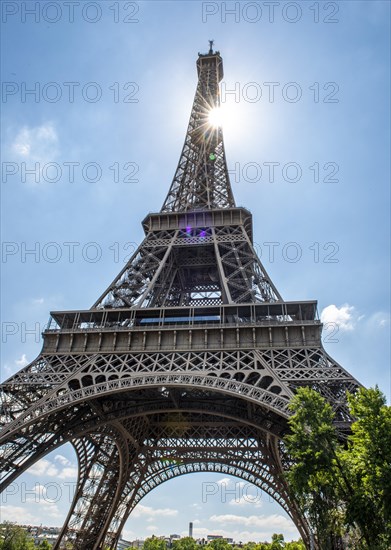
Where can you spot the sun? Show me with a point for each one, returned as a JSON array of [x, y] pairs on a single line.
[[224, 116], [216, 117]]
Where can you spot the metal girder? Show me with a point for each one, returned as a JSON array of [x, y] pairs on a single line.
[[93, 505], [266, 378], [248, 458], [169, 265]]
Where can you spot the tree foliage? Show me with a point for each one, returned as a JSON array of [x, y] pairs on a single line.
[[313, 475], [14, 537], [342, 487], [295, 545], [367, 465], [276, 543], [154, 543], [218, 544], [186, 543]]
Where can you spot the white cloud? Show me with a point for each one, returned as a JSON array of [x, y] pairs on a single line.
[[141, 510], [63, 460], [22, 362], [36, 144], [46, 468], [46, 498], [244, 500], [70, 472], [273, 521], [17, 513], [127, 534], [224, 481], [379, 319], [43, 468], [51, 510], [344, 317], [152, 528]]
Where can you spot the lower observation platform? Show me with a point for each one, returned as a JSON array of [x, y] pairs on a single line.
[[245, 326]]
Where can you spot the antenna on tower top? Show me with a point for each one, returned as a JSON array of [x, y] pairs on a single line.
[[211, 42]]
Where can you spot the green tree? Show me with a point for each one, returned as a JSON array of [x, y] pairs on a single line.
[[295, 545], [14, 537], [342, 486], [154, 543], [277, 542], [218, 544], [187, 543], [312, 445], [367, 465]]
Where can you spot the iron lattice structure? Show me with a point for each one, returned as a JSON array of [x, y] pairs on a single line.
[[186, 363]]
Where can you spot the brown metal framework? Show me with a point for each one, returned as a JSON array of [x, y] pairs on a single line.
[[186, 363]]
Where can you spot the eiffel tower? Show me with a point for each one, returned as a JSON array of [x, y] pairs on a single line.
[[186, 363]]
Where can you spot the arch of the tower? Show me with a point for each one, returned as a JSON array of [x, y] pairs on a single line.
[[51, 422], [234, 373], [41, 426], [157, 447], [131, 438], [258, 478], [266, 376]]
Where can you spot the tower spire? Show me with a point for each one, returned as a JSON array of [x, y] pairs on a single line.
[[198, 250], [201, 180]]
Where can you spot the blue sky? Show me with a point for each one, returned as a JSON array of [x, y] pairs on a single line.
[[134, 76]]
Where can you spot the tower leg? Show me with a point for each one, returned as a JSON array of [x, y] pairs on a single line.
[[101, 463]]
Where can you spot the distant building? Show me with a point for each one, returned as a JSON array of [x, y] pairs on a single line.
[[191, 529], [136, 544], [122, 544]]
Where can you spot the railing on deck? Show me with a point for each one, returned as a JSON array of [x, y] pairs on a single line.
[[224, 315]]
